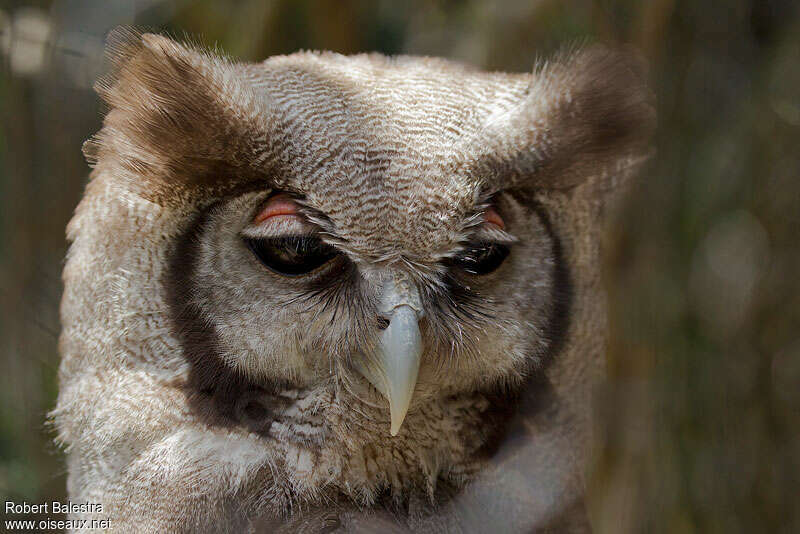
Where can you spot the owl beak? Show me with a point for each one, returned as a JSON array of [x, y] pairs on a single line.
[[394, 368]]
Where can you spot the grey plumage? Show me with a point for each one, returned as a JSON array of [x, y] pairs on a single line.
[[199, 391]]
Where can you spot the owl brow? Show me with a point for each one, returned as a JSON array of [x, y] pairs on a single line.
[[493, 235], [316, 217]]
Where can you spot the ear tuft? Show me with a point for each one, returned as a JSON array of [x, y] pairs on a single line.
[[587, 115], [179, 118], [612, 112], [602, 117]]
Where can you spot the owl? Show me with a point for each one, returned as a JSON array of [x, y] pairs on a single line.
[[327, 292]]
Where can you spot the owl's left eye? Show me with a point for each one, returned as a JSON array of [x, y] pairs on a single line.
[[481, 258], [293, 255]]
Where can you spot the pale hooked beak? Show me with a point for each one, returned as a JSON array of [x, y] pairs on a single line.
[[393, 369]]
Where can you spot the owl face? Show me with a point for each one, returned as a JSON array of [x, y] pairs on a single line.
[[360, 223], [292, 302]]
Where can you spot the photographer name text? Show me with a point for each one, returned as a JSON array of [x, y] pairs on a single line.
[[53, 507]]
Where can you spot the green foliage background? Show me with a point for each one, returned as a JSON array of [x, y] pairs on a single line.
[[699, 424]]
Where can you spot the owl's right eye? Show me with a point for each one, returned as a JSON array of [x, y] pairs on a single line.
[[293, 255], [482, 258]]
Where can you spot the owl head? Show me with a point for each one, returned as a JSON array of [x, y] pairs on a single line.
[[363, 223]]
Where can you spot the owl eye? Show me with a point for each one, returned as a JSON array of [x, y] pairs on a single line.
[[291, 256], [481, 258]]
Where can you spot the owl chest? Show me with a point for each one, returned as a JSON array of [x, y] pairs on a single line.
[[349, 452]]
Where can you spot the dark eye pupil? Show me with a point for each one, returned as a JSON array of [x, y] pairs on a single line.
[[482, 258], [291, 256]]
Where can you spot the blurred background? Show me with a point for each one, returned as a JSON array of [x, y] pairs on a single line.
[[699, 424]]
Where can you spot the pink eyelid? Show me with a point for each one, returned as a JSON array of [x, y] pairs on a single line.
[[280, 204], [492, 217]]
